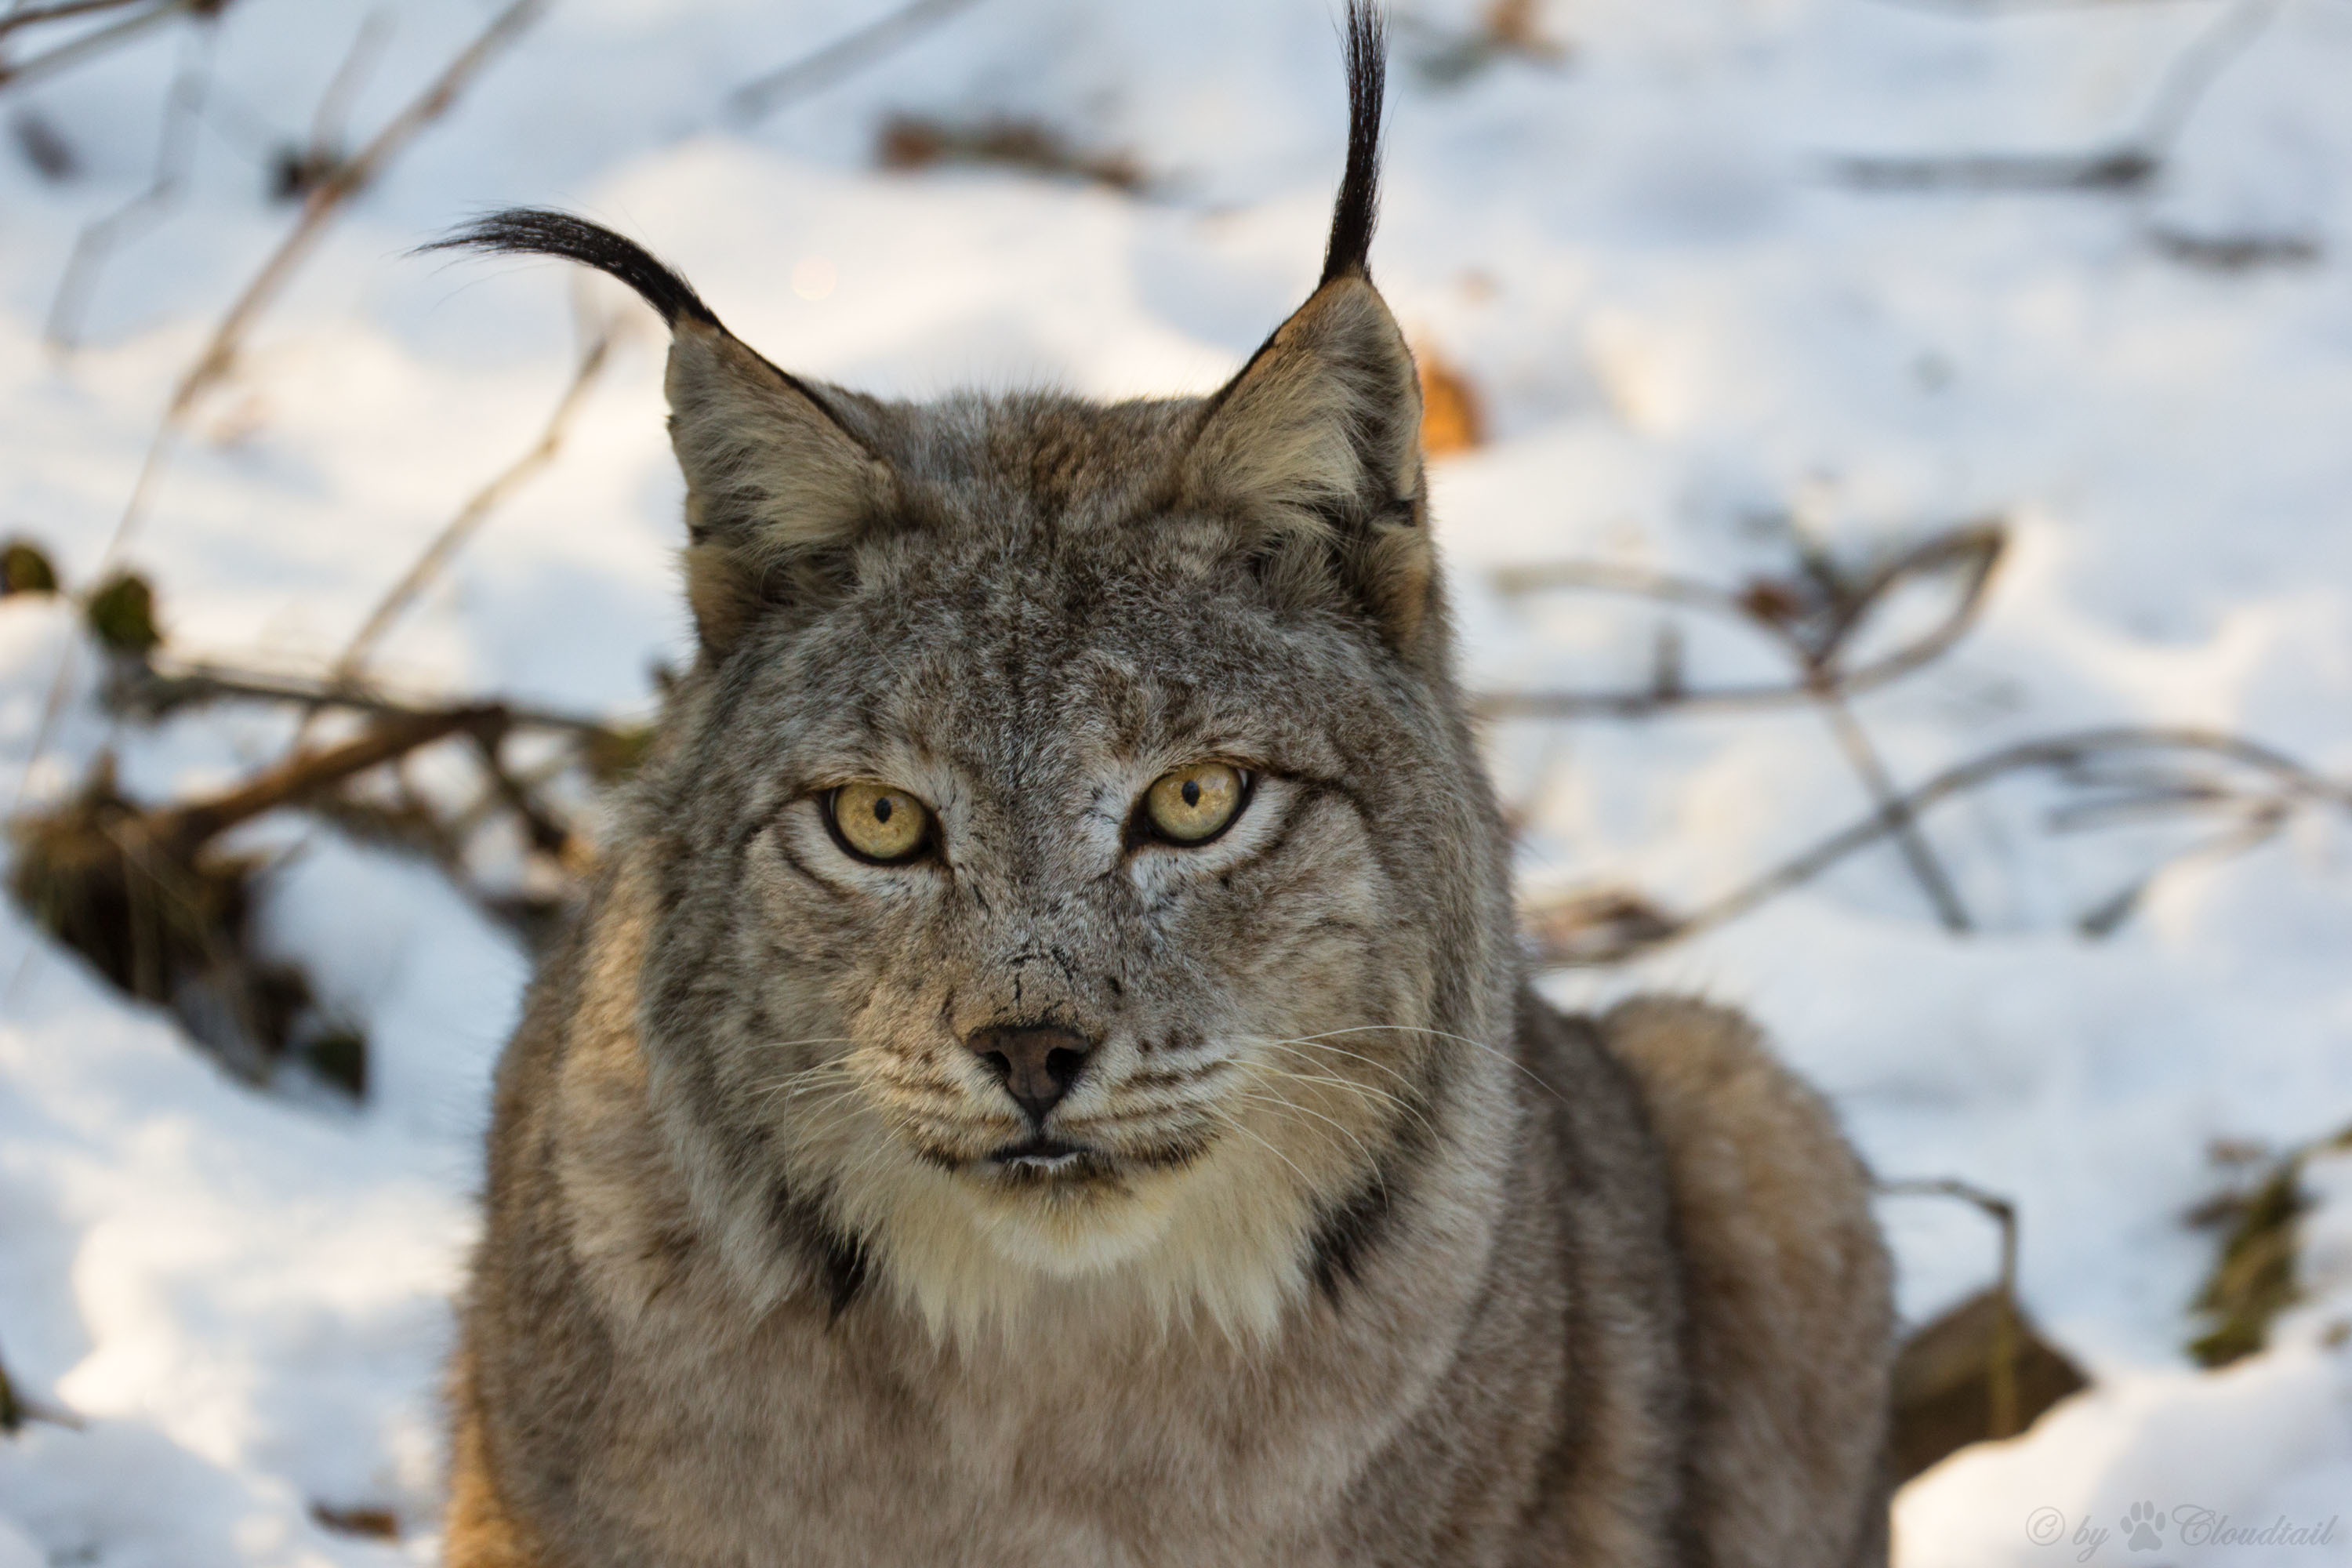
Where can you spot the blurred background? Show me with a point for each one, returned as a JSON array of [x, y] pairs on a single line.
[[1895, 460]]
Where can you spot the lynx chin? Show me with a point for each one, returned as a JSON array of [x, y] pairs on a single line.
[[1047, 1078]]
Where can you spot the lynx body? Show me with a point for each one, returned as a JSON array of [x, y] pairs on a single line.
[[1046, 1076]]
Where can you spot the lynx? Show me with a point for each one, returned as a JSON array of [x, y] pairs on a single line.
[[1047, 1075]]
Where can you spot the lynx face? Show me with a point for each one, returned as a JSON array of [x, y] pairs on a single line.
[[1064, 895]]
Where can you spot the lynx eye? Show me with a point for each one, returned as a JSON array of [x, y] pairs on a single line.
[[1193, 804], [877, 823]]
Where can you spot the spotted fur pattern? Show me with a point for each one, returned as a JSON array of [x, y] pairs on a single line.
[[1363, 1255]]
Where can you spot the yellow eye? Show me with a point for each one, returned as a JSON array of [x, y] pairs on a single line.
[[1193, 804], [879, 823]]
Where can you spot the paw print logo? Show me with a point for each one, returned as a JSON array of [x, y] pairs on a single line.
[[2144, 1527]]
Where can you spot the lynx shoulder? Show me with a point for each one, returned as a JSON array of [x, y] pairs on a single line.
[[1047, 1074]]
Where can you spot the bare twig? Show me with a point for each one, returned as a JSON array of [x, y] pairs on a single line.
[[2124, 168], [1972, 551], [914, 141], [2235, 252], [845, 56], [162, 685], [324, 201], [299, 168], [67, 56], [479, 507], [1925, 868], [2001, 1381], [2293, 785], [184, 105], [33, 16], [2197, 67], [319, 208], [2131, 162], [1815, 619]]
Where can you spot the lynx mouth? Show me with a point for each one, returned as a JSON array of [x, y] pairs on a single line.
[[1044, 1156]]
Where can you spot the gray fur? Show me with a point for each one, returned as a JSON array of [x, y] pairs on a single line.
[[1374, 1258]]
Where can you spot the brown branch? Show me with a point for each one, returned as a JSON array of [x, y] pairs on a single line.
[[180, 831], [160, 686]]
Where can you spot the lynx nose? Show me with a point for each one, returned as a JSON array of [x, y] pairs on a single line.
[[1036, 1063]]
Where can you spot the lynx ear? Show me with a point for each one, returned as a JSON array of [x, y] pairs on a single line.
[[772, 478], [1315, 448]]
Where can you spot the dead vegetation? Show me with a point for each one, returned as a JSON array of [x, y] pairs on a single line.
[[1980, 1371], [2258, 1217], [921, 141], [1818, 615]]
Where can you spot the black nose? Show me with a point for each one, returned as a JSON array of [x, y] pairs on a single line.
[[1037, 1063]]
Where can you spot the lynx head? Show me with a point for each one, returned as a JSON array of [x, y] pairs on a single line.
[[1073, 875]]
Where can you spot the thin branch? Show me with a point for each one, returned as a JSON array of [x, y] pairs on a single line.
[[477, 508], [35, 15], [359, 64], [1974, 549], [176, 150], [180, 831], [2001, 1397], [161, 686], [2295, 785], [844, 56], [2129, 164], [1998, 8], [66, 55], [1894, 814], [325, 200], [324, 203]]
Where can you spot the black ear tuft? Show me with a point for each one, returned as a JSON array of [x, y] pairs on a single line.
[[535, 231], [1359, 190]]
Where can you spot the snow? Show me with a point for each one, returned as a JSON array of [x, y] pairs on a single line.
[[1693, 344]]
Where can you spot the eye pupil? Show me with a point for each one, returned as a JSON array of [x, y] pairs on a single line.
[[877, 823], [1193, 805]]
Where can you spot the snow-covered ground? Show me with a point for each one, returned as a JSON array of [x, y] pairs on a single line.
[[1694, 345]]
